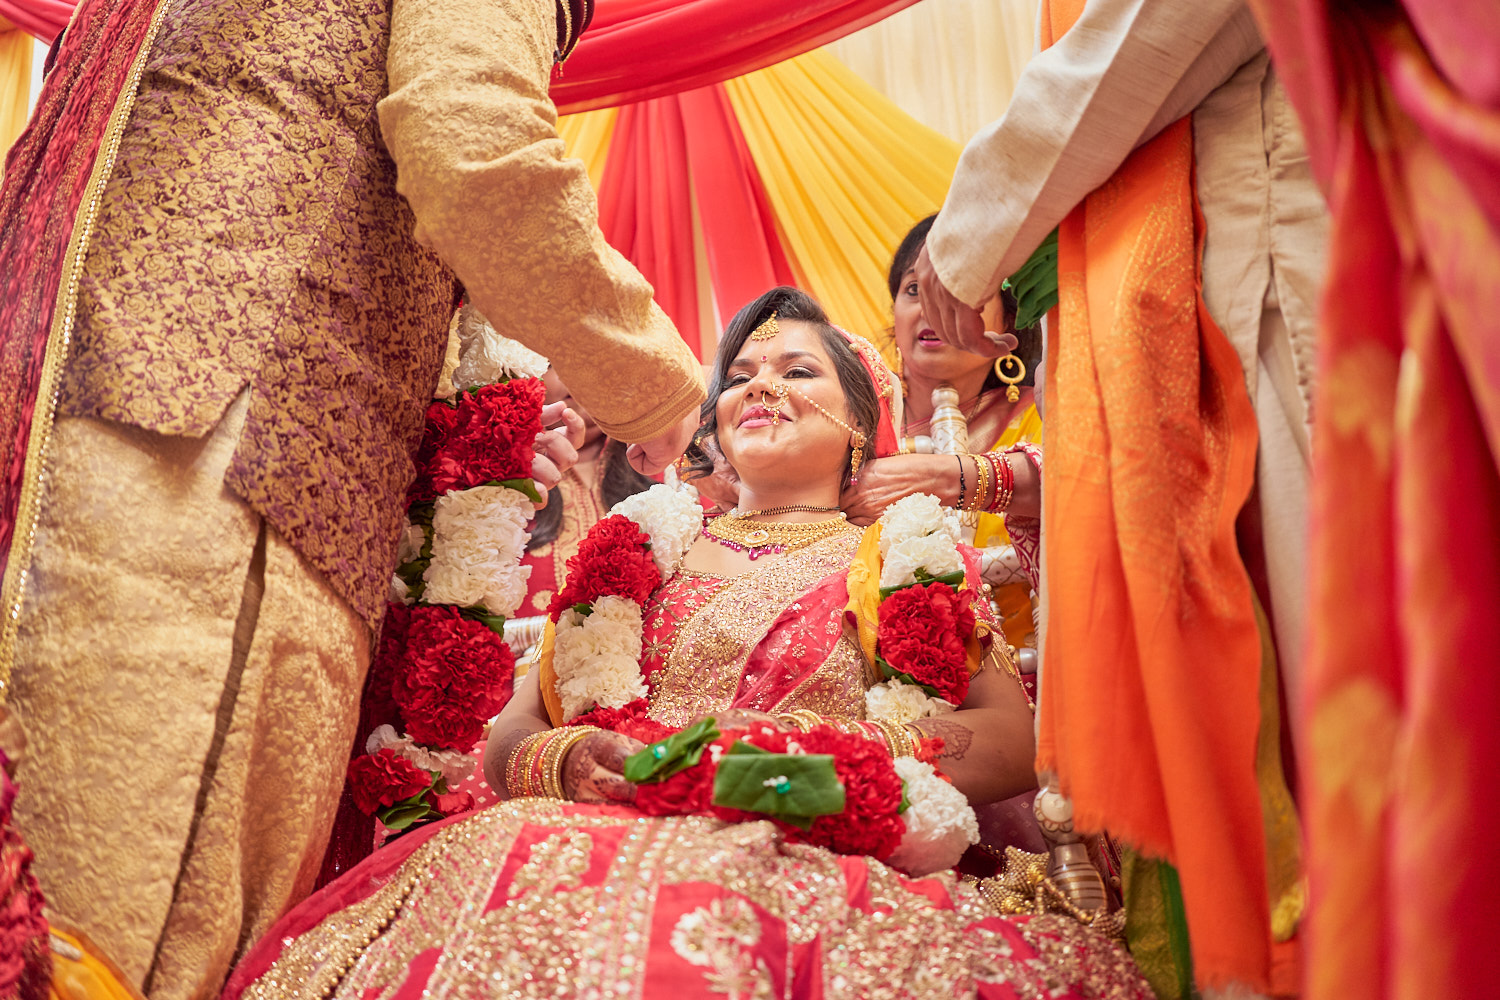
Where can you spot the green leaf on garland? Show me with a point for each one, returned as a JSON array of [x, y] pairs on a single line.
[[402, 815], [888, 672], [478, 613], [1035, 284], [678, 752], [584, 608], [793, 787], [526, 486], [923, 578]]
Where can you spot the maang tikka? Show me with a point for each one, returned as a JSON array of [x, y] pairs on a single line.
[[768, 328]]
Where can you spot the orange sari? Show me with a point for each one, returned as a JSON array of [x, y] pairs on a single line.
[[1402, 114], [1150, 706]]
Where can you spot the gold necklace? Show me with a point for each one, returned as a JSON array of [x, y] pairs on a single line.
[[744, 515], [755, 538]]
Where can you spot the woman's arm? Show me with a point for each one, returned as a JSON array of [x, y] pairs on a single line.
[[989, 745], [521, 716], [885, 480]]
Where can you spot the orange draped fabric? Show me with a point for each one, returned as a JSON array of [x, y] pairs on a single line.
[[1149, 709], [1401, 108]]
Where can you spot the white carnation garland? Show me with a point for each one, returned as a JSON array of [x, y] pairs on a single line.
[[597, 656], [917, 535]]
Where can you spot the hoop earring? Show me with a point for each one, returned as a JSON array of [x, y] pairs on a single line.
[[1011, 381]]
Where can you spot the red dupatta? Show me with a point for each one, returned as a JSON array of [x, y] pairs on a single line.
[[1401, 108]]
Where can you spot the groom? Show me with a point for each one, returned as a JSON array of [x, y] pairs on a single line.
[[228, 250]]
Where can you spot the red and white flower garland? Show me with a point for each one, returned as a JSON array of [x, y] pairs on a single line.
[[442, 668]]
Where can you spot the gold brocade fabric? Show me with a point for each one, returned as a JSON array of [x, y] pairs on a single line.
[[190, 688], [535, 899], [759, 640], [252, 234]]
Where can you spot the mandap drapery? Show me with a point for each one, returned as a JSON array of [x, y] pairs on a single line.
[[800, 173], [1401, 106]]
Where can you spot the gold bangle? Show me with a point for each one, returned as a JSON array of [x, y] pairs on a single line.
[[555, 753], [522, 759], [805, 719], [981, 491], [898, 740]]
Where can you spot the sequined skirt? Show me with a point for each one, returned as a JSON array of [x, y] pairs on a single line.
[[536, 898]]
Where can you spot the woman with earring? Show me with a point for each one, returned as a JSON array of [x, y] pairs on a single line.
[[997, 481], [573, 887]]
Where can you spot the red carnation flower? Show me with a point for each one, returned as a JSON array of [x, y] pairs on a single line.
[[870, 823], [451, 803], [683, 794], [922, 633], [457, 674], [628, 720], [483, 436], [614, 560], [383, 779]]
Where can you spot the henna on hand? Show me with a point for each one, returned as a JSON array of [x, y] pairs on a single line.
[[592, 770], [955, 736]]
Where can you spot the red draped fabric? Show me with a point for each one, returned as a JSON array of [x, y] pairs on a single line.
[[1401, 106], [662, 153], [640, 49], [41, 19]]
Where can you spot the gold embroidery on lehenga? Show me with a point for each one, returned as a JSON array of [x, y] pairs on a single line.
[[557, 864], [721, 938]]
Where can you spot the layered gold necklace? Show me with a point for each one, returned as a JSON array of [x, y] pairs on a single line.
[[736, 531]]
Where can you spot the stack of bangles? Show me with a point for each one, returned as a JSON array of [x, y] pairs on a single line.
[[996, 485], [535, 765], [900, 740]]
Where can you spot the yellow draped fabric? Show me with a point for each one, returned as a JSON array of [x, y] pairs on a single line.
[[847, 174], [586, 136], [15, 83]]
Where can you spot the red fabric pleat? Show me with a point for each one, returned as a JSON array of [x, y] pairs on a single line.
[[640, 49], [745, 255], [645, 209], [43, 19]]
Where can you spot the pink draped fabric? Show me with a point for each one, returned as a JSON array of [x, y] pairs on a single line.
[[42, 19]]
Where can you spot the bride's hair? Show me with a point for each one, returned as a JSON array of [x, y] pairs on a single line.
[[788, 304]]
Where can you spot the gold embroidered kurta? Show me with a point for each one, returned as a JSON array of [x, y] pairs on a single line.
[[252, 235]]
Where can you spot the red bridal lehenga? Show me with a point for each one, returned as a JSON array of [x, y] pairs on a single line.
[[541, 898]]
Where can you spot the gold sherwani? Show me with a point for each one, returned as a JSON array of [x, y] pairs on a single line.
[[260, 321]]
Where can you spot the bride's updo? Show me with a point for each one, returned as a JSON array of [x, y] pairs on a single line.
[[788, 304]]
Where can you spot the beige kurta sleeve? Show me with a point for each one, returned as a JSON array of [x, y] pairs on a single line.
[[474, 136], [1126, 70]]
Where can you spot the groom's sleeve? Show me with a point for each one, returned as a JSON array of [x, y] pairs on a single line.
[[474, 136]]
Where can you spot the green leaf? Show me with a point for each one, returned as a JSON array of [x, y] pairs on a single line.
[[1035, 284], [888, 672], [792, 787], [401, 815], [923, 578], [584, 608], [478, 613], [678, 752], [525, 486]]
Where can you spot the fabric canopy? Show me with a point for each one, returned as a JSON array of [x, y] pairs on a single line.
[[796, 174], [43, 19]]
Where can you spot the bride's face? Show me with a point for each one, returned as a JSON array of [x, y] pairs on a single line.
[[803, 445]]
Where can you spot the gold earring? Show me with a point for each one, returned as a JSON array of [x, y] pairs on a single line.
[[1011, 381], [767, 329], [857, 457]]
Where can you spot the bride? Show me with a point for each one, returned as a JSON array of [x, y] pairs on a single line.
[[584, 894]]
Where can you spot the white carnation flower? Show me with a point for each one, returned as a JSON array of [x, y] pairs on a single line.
[[400, 592], [914, 516], [934, 553], [453, 765], [486, 357], [672, 517], [940, 823], [598, 658], [899, 702], [478, 538]]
